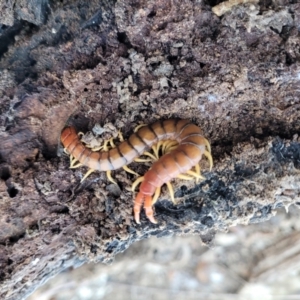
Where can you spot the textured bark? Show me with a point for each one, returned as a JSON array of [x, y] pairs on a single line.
[[132, 62]]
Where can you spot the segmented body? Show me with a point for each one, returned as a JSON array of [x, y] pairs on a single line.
[[191, 146]]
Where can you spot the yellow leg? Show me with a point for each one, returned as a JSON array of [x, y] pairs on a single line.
[[156, 195], [150, 155], [164, 146], [184, 177], [120, 135], [138, 127], [209, 157], [169, 149], [197, 170], [130, 171], [207, 144], [108, 174], [76, 166], [112, 144], [95, 149], [105, 146], [148, 209], [137, 182], [88, 173], [192, 173], [73, 160], [170, 146], [171, 191], [156, 147], [142, 159]]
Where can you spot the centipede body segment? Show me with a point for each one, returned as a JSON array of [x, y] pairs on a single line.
[[182, 144]]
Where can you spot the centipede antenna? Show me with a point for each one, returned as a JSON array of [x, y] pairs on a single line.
[[171, 191], [209, 157], [109, 177], [150, 155], [138, 127], [88, 173], [192, 173], [137, 182], [139, 200], [207, 144], [156, 195], [184, 177], [130, 171]]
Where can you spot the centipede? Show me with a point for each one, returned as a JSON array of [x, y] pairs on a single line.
[[178, 146]]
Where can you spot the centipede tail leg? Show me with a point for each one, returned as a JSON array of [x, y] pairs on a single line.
[[138, 203], [148, 209]]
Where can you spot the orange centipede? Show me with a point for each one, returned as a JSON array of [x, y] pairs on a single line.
[[183, 145]]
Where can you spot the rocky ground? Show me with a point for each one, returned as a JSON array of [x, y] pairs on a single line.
[[248, 262], [125, 63]]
